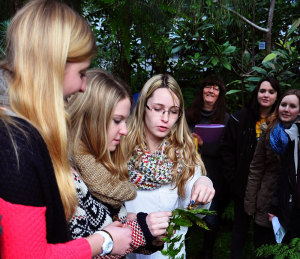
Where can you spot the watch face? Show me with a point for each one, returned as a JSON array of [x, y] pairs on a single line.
[[108, 246]]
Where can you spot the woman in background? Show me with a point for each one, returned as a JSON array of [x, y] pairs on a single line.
[[240, 138], [98, 125], [265, 168], [209, 107], [285, 142], [164, 163], [49, 48]]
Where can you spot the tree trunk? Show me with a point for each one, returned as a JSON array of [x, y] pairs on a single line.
[[270, 24]]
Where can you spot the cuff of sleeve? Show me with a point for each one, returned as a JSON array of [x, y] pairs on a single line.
[[141, 219]]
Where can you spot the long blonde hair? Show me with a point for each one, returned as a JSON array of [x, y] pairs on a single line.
[[179, 139], [42, 37], [91, 114]]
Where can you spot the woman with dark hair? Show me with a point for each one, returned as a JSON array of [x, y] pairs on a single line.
[[240, 138], [265, 167], [209, 107]]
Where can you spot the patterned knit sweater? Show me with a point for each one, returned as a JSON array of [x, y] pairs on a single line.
[[33, 218], [92, 215]]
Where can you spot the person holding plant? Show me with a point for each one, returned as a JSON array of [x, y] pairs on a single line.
[[49, 48], [284, 140], [209, 107], [164, 163], [241, 135], [98, 125]]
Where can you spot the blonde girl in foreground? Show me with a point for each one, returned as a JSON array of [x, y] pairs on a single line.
[[49, 48], [98, 125], [164, 164]]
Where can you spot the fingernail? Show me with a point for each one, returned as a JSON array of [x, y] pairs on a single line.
[[192, 202]]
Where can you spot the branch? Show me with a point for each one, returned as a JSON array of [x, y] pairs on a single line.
[[244, 19]]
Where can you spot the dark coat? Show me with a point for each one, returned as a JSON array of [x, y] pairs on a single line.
[[264, 171], [284, 198], [237, 150]]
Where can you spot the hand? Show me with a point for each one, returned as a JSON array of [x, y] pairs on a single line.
[[200, 141], [202, 191], [158, 222], [271, 216], [121, 235]]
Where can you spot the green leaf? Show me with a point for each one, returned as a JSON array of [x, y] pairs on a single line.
[[233, 91], [260, 70], [229, 50], [269, 57], [215, 61], [253, 79], [226, 64], [294, 27], [177, 49], [197, 55]]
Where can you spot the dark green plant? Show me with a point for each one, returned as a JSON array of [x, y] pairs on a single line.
[[281, 251], [182, 218]]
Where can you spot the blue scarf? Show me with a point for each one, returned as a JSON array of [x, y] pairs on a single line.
[[279, 139]]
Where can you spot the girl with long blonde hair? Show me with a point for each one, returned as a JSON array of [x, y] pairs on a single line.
[[164, 163], [98, 124], [49, 48]]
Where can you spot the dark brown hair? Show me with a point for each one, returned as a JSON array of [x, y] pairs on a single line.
[[253, 103]]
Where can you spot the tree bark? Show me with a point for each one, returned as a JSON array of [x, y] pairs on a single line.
[[270, 24]]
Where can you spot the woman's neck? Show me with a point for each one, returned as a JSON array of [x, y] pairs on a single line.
[[208, 107], [264, 111], [153, 144]]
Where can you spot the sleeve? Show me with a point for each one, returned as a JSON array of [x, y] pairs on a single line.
[[228, 149], [24, 235], [257, 170], [138, 240]]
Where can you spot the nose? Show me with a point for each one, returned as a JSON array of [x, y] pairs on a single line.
[[123, 130], [211, 89], [165, 116]]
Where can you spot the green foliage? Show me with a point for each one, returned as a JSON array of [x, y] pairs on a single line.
[[3, 29], [281, 251], [182, 218]]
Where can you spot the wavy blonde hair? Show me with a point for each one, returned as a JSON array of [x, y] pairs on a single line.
[[91, 114], [41, 38], [179, 139]]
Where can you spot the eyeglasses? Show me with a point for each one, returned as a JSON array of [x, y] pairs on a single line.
[[215, 88], [174, 112]]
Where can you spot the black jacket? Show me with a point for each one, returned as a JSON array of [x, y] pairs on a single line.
[[237, 150], [284, 198]]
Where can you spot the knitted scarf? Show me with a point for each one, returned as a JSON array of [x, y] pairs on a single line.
[[100, 184], [153, 170], [278, 138]]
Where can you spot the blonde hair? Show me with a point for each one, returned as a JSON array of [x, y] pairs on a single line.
[[91, 114], [41, 38], [179, 139]]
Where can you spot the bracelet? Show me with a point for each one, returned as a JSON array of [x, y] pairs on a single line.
[[107, 234]]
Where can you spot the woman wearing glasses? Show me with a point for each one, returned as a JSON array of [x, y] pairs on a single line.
[[209, 107], [241, 135], [164, 164]]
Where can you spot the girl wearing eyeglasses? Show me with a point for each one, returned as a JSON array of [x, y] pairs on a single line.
[[209, 107], [241, 135], [164, 163], [98, 126]]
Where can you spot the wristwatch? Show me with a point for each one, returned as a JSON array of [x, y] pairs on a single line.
[[108, 243]]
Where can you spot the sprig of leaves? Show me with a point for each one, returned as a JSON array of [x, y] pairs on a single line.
[[182, 218]]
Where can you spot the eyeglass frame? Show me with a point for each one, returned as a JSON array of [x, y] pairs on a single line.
[[164, 111], [212, 87]]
